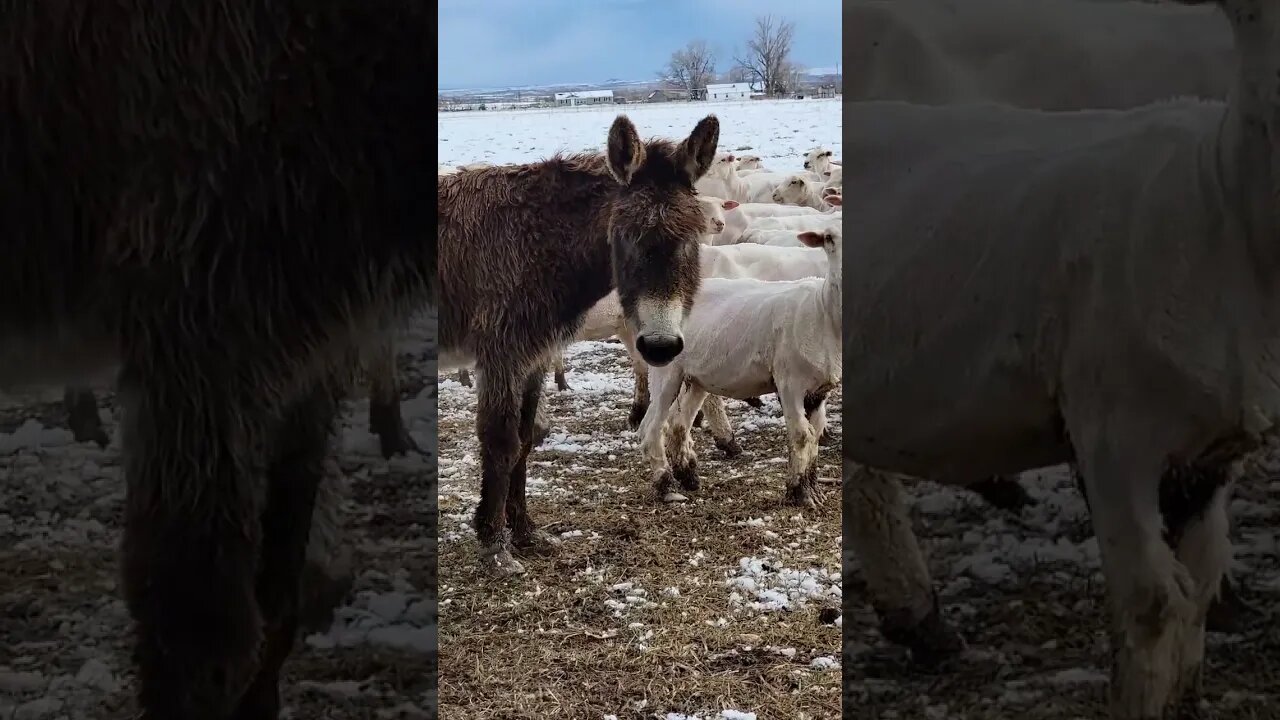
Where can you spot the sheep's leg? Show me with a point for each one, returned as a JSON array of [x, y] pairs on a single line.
[[385, 418], [1156, 623], [558, 365], [815, 406], [191, 539], [498, 409], [464, 377], [525, 536], [293, 478], [720, 428], [1228, 612], [664, 389], [82, 416], [1206, 552], [640, 395], [802, 449], [685, 467], [880, 537], [327, 575]]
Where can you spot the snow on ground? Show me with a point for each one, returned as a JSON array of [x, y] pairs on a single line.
[[722, 607], [1026, 592], [779, 131]]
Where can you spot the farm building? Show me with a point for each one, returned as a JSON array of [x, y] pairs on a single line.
[[584, 97], [729, 91], [667, 95]]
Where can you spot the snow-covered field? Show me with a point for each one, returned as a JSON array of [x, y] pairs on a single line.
[[724, 607]]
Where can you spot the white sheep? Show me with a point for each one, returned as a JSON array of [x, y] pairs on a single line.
[[835, 177], [818, 161], [722, 179], [749, 163], [800, 191], [745, 338], [737, 220], [759, 186]]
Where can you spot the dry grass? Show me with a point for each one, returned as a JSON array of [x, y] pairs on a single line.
[[550, 644]]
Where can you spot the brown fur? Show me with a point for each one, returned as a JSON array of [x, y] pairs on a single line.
[[526, 250], [224, 199]]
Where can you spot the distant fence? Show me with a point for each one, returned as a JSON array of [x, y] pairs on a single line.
[[620, 107]]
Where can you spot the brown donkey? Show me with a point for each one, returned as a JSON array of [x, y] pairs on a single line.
[[223, 200], [525, 251]]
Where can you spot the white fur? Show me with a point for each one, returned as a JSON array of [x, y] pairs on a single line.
[[798, 190], [818, 161], [1146, 325], [746, 338]]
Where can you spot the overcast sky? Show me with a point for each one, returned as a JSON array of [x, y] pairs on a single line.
[[486, 43]]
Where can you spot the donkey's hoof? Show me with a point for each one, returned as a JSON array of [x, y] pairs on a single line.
[[688, 476], [397, 442], [538, 543], [97, 436], [563, 385], [828, 439], [730, 448], [501, 564]]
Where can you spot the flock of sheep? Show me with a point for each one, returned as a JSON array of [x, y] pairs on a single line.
[[1061, 267], [770, 267]]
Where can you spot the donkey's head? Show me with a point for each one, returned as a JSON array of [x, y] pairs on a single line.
[[654, 230]]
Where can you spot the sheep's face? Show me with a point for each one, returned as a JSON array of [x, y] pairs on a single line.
[[790, 192], [724, 165], [817, 160], [655, 229], [748, 162], [711, 208]]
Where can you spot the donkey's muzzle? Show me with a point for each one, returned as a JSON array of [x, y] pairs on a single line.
[[658, 349]]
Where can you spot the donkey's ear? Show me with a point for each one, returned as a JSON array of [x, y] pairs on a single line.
[[626, 152], [698, 151]]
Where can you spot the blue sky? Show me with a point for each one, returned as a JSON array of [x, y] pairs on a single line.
[[485, 43]]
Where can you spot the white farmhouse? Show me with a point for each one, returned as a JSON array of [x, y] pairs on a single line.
[[729, 91], [584, 97]]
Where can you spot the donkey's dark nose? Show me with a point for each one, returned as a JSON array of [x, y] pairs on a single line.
[[658, 349]]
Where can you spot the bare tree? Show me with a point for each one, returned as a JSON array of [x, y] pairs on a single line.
[[690, 67], [767, 58]]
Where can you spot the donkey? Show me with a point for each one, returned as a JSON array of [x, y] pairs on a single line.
[[224, 202], [525, 251]]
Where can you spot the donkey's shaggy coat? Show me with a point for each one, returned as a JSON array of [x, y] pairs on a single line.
[[222, 200]]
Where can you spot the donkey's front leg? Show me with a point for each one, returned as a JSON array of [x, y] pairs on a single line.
[[525, 535], [83, 417], [300, 449], [386, 418], [191, 541], [498, 409]]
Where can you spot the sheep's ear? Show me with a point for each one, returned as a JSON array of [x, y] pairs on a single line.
[[729, 204], [837, 200], [696, 153], [811, 239], [626, 152]]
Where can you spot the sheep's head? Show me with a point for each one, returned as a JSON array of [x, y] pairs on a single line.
[[791, 192], [655, 230], [818, 160]]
